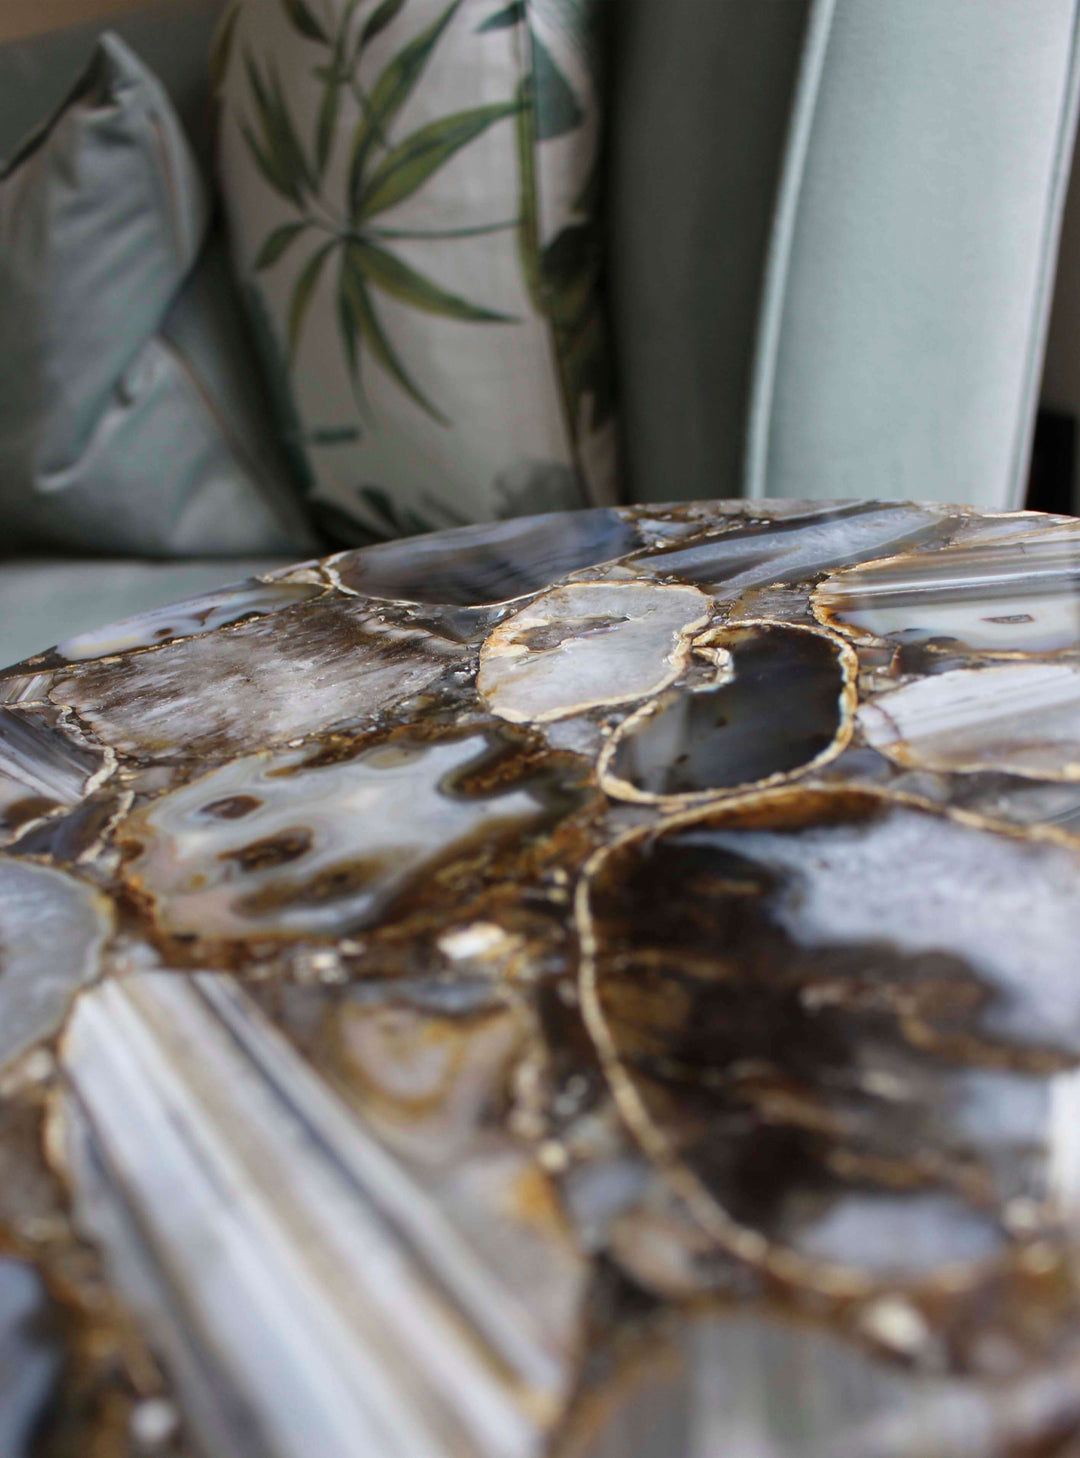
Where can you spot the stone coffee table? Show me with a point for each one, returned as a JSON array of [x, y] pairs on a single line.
[[605, 985]]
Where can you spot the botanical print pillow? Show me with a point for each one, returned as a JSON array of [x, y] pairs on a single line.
[[411, 188]]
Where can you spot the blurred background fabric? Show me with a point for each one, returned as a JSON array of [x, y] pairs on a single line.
[[824, 232]]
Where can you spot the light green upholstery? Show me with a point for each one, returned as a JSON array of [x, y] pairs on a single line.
[[833, 230]]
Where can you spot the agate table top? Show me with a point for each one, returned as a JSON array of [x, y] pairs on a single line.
[[603, 985]]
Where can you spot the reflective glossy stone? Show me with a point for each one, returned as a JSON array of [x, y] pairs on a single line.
[[308, 1284], [185, 619], [538, 992], [52, 931], [1014, 592], [30, 1357], [295, 844], [784, 706], [586, 645], [797, 548], [303, 668], [739, 1383], [1019, 718], [780, 991], [490, 563], [42, 768]]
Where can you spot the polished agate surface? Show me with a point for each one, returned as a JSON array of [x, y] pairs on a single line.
[[604, 985]]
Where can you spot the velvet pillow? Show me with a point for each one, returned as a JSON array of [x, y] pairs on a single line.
[[130, 421], [411, 188]]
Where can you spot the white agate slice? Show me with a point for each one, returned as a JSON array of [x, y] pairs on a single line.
[[588, 644], [307, 1294], [184, 619], [1014, 591], [263, 847], [1019, 718], [52, 930]]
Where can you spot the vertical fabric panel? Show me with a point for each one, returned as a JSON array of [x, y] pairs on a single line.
[[702, 94], [833, 230], [914, 309]]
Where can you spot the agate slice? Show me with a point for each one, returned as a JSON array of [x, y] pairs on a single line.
[[185, 619], [28, 688], [785, 707], [850, 1028], [554, 990], [1018, 718], [42, 769], [310, 1294], [588, 644], [1014, 593], [795, 549], [734, 1382], [29, 1360], [492, 563], [273, 845], [260, 682], [52, 931]]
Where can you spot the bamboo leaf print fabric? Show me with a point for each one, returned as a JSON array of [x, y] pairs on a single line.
[[411, 189]]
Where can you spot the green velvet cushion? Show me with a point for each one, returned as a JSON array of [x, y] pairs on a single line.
[[129, 421]]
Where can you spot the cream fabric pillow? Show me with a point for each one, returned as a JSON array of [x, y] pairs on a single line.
[[410, 186]]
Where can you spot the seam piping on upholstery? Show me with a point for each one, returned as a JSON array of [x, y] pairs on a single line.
[[1047, 278], [781, 239]]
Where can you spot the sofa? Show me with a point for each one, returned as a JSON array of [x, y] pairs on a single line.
[[830, 237]]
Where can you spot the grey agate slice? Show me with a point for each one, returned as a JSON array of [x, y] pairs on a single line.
[[850, 1023], [784, 706], [1015, 591], [52, 931], [305, 667], [275, 845], [42, 769], [185, 619], [492, 563], [796, 548], [730, 1382], [1016, 718], [313, 1297]]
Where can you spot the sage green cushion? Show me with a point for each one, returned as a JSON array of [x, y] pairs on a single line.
[[833, 232], [128, 418]]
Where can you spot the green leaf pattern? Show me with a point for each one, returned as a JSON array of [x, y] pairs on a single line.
[[375, 168], [383, 172]]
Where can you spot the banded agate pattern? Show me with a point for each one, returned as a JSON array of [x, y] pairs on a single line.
[[598, 986]]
